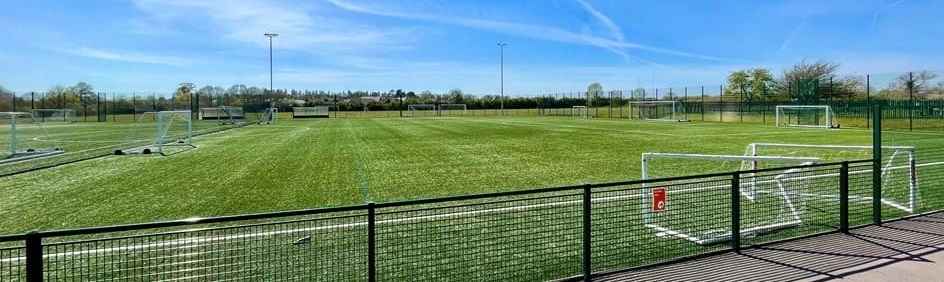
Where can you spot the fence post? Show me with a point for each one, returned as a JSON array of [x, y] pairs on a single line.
[[34, 257], [910, 101], [587, 270], [736, 212], [371, 242], [844, 197], [868, 101], [877, 165], [721, 103]]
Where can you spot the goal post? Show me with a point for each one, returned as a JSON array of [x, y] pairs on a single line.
[[773, 201], [817, 116], [54, 115], [899, 169], [657, 111], [269, 116], [422, 110], [580, 111], [27, 138], [169, 129], [452, 109], [311, 112]]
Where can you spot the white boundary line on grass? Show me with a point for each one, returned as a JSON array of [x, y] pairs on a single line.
[[194, 242]]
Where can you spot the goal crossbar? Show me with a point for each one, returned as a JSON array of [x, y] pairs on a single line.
[[784, 120], [791, 218], [910, 205], [636, 111]]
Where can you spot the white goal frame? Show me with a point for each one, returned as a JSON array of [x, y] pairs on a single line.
[[67, 115], [910, 206], [584, 109], [783, 121], [452, 107], [674, 113], [269, 116], [704, 239], [161, 139], [414, 108], [17, 154]]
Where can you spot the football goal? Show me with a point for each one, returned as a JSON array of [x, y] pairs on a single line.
[[452, 109], [899, 175], [168, 129], [54, 115], [311, 112], [579, 111], [422, 110], [680, 210], [225, 114], [269, 116], [27, 139], [657, 111], [820, 116]]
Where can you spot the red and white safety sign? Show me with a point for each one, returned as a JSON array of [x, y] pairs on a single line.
[[658, 199]]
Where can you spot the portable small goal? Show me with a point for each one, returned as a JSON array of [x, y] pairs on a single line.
[[579, 111], [422, 110], [27, 138], [773, 203], [899, 173], [657, 111], [311, 112], [452, 109], [269, 116], [819, 116], [54, 115], [171, 129]]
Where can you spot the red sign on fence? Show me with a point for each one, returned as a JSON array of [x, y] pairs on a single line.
[[658, 199]]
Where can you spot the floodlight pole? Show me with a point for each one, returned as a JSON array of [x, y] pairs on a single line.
[[270, 35], [501, 50]]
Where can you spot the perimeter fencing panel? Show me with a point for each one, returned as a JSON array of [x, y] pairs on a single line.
[[544, 234]]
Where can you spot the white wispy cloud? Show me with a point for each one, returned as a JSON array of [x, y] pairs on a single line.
[[298, 27], [793, 33], [122, 56], [878, 12], [520, 29]]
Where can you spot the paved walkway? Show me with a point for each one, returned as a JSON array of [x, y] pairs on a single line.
[[901, 251]]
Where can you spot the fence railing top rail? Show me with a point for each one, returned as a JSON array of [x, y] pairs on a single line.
[[363, 207]]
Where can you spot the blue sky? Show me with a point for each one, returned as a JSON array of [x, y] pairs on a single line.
[[553, 45]]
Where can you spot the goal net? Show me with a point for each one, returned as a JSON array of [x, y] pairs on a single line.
[[269, 116], [311, 112], [452, 109], [422, 110], [54, 115], [899, 175], [805, 116], [25, 138], [225, 114], [580, 111], [168, 129], [657, 111], [699, 212]]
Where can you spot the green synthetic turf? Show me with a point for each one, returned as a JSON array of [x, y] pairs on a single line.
[[299, 164]]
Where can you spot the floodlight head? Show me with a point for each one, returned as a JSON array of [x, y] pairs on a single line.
[[271, 34], [501, 44]]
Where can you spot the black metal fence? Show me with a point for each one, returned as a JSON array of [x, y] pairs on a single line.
[[572, 232]]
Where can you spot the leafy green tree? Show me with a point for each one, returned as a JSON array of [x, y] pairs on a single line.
[[182, 94], [456, 96]]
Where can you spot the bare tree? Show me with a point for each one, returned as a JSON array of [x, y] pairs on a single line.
[[916, 82]]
